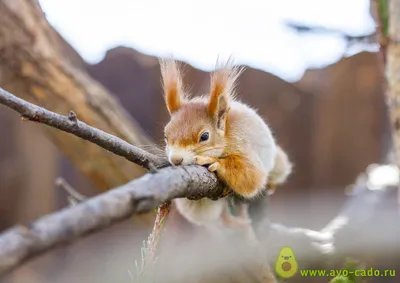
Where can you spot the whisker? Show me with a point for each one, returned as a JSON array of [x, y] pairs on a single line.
[[197, 148], [154, 149], [212, 148]]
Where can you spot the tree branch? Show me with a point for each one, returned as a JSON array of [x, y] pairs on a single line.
[[366, 227], [36, 66], [138, 196], [21, 243], [73, 195], [359, 219], [24, 242], [302, 28], [73, 126]]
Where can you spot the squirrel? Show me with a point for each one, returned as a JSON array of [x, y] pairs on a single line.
[[228, 136]]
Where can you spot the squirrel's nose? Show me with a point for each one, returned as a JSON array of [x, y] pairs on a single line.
[[176, 160]]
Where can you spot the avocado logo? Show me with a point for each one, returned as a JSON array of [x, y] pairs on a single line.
[[286, 264]]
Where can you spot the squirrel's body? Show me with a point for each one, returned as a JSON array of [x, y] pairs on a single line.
[[226, 135]]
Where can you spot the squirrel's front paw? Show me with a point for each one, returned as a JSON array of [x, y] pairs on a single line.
[[207, 160]]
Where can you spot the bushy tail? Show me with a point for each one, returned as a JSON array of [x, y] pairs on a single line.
[[281, 170]]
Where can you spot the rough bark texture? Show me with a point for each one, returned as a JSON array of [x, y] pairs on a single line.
[[138, 196], [144, 194], [32, 66], [71, 124]]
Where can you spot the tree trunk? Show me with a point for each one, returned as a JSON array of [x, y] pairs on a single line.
[[33, 66], [387, 17], [393, 68]]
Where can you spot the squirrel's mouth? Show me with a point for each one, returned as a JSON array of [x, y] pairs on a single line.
[[177, 156], [180, 156]]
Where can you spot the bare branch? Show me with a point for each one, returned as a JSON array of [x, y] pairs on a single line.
[[76, 196], [302, 28], [21, 243], [72, 117], [36, 65], [71, 125], [367, 225]]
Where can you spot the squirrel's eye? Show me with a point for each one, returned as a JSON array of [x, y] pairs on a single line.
[[205, 136]]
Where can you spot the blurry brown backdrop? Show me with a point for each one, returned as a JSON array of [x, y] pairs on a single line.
[[333, 123]]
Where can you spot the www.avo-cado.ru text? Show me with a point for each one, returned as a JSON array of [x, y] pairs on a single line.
[[343, 272]]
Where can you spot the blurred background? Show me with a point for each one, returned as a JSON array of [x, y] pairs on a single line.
[[312, 72]]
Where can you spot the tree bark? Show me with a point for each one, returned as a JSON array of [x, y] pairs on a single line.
[[393, 68], [32, 66], [138, 196], [387, 18], [386, 15]]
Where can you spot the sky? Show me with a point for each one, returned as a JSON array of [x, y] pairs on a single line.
[[198, 32]]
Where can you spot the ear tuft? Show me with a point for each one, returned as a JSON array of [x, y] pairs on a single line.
[[171, 75], [223, 83]]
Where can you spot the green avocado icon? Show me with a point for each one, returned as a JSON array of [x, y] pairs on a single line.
[[286, 264]]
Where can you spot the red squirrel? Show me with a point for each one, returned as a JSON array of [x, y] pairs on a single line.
[[226, 135]]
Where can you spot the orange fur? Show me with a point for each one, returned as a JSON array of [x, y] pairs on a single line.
[[239, 148], [218, 95], [172, 84], [223, 82], [192, 121], [238, 172]]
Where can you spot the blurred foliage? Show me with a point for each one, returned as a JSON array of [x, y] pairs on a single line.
[[341, 279], [350, 266], [144, 272], [383, 9]]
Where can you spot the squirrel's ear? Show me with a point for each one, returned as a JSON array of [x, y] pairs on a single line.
[[223, 82], [172, 84]]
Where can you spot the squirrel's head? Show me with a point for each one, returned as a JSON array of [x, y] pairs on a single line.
[[198, 126]]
